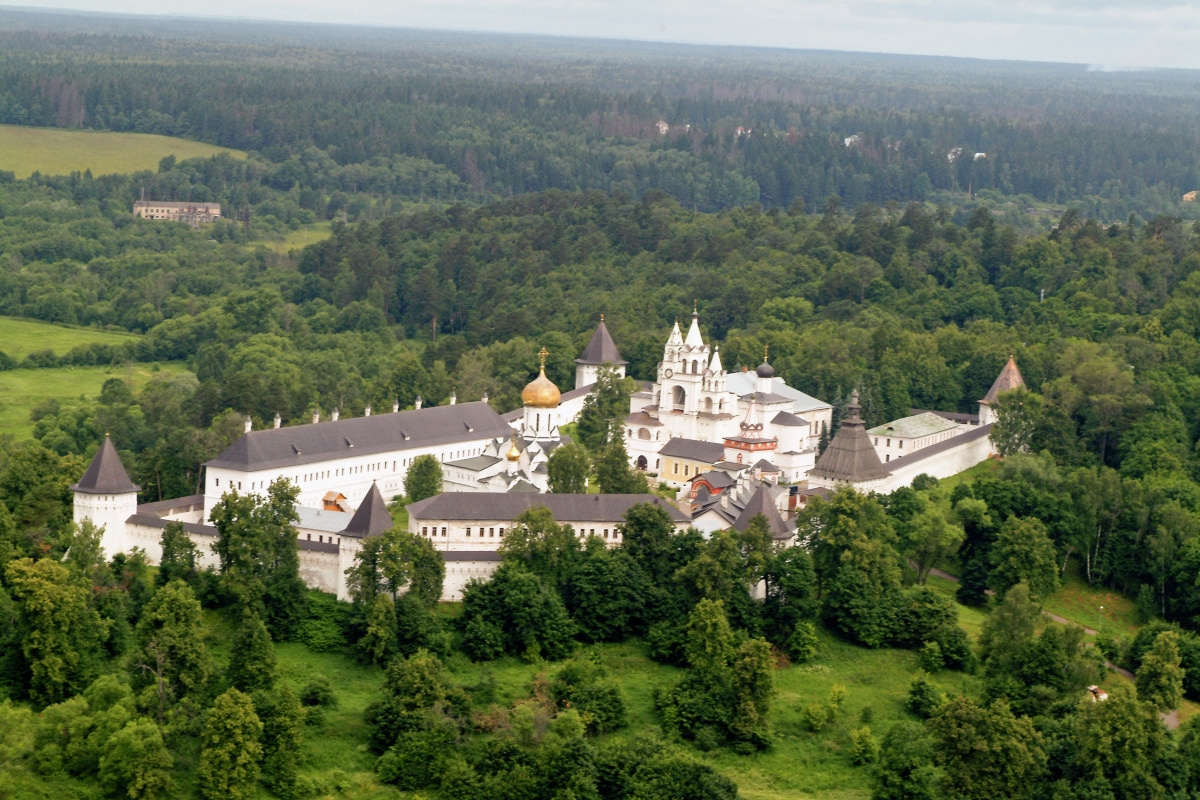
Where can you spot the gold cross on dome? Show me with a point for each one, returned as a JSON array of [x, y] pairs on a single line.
[[766, 350], [542, 355]]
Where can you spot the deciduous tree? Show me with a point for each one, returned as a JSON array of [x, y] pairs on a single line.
[[230, 748]]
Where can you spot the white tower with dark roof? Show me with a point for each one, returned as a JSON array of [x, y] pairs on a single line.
[[107, 497], [600, 350]]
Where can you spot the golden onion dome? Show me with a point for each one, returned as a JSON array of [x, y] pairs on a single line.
[[541, 391], [513, 453]]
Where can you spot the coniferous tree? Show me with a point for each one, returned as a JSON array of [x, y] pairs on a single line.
[[282, 719], [252, 657]]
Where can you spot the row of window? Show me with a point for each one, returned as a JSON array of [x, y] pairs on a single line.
[[403, 463], [429, 531], [321, 538]]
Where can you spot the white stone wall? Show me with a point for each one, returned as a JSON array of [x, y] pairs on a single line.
[[107, 511], [942, 465], [351, 476], [459, 573]]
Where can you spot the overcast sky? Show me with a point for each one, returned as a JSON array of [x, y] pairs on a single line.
[[1112, 33]]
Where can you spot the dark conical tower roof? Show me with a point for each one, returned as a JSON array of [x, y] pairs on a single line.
[[106, 474], [1008, 379], [601, 349], [372, 517], [850, 458], [760, 503]]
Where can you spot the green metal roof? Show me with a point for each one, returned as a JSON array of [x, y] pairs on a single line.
[[914, 427]]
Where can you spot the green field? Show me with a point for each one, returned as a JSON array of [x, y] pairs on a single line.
[[56, 151], [298, 240], [22, 389], [20, 337]]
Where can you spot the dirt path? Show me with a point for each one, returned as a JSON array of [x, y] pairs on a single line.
[[1064, 621]]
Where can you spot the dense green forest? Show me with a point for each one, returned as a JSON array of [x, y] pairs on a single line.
[[450, 117], [487, 205]]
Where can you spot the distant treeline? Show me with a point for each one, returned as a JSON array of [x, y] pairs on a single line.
[[416, 119]]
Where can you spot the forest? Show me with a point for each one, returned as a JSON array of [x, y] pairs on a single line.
[[485, 205]]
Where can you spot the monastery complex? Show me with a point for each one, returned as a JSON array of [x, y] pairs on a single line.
[[730, 445]]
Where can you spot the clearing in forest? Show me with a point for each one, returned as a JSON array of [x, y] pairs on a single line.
[[20, 337], [56, 151], [21, 390]]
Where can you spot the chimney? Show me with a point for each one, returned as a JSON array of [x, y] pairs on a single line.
[[368, 411], [249, 423], [453, 397], [334, 416], [278, 420], [316, 416], [395, 405], [419, 402]]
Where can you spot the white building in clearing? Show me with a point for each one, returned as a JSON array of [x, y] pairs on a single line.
[[193, 214], [468, 528]]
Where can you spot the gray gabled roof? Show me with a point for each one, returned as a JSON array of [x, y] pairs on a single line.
[[693, 449], [106, 474], [601, 349], [790, 420], [850, 457], [474, 463], [372, 517], [380, 433], [482, 506], [761, 503]]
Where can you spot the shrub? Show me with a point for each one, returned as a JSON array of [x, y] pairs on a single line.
[[321, 631], [319, 692], [815, 716], [803, 644], [923, 697], [931, 657], [956, 648], [863, 747]]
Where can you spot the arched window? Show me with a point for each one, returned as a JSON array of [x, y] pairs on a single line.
[[679, 398], [641, 463], [708, 404], [643, 433], [695, 367]]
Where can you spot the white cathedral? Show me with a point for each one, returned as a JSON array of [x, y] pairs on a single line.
[[752, 415]]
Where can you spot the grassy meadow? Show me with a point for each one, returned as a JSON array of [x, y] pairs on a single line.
[[20, 337], [22, 389], [56, 151], [298, 240]]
